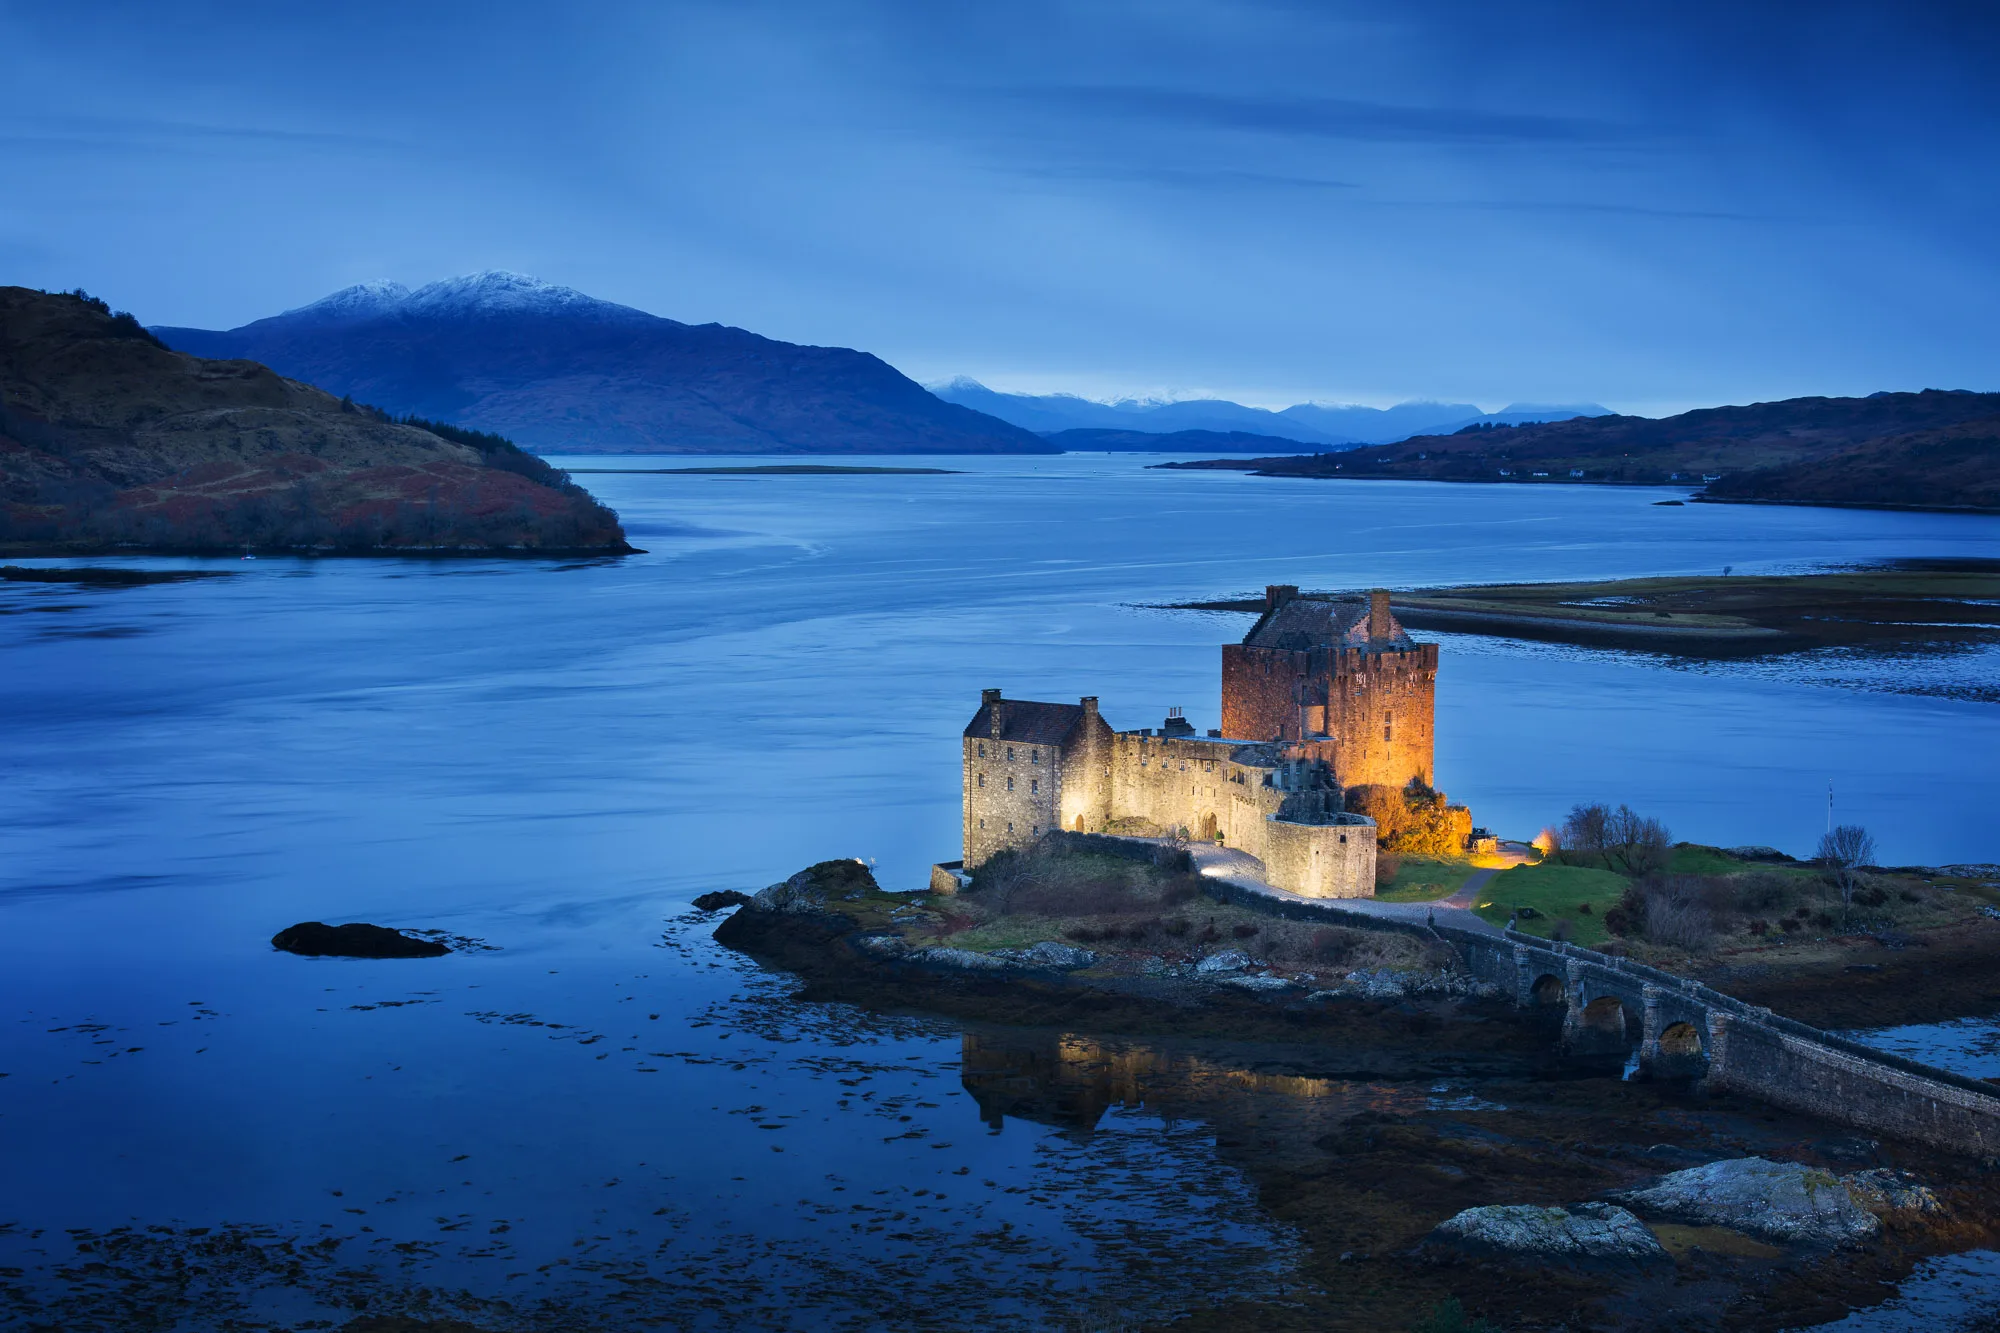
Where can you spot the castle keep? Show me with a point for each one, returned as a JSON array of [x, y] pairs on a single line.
[[1323, 694]]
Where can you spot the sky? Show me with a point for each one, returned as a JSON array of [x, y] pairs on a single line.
[[1653, 204]]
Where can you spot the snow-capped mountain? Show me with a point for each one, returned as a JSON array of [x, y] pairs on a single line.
[[562, 371]]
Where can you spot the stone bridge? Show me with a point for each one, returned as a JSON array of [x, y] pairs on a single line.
[[1681, 1029]]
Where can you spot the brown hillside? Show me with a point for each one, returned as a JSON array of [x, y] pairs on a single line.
[[109, 439], [1922, 449], [1952, 467]]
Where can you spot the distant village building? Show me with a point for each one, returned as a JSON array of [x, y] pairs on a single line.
[[1323, 694]]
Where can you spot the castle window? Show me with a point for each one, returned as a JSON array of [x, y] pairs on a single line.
[[982, 823], [982, 779], [982, 749], [1010, 826], [1010, 784], [1034, 756], [1010, 752], [1034, 786]]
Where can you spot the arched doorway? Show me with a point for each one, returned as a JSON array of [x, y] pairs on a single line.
[[1078, 825], [1209, 831]]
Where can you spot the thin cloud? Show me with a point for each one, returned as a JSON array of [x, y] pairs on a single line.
[[1331, 117]]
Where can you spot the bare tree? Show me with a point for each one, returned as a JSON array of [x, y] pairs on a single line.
[[1637, 844], [1843, 852], [1584, 829]]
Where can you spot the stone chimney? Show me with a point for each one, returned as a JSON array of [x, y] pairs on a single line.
[[990, 699], [1277, 594], [1378, 614], [1089, 709]]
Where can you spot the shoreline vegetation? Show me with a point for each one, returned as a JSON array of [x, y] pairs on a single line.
[[1901, 604], [1088, 977]]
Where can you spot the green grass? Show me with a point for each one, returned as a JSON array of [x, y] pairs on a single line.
[[1556, 892], [1425, 881]]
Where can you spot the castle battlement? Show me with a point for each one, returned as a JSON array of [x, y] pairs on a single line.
[[1323, 694]]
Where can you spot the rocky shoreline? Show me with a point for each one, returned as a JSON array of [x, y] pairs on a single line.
[[1542, 1193]]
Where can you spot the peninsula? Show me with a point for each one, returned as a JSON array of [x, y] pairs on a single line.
[[1936, 449], [109, 441]]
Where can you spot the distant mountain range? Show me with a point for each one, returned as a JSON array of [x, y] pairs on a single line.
[[1315, 425], [563, 372], [108, 440], [1939, 449], [1093, 440]]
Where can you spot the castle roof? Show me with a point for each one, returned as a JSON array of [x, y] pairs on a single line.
[[1305, 622], [1026, 722]]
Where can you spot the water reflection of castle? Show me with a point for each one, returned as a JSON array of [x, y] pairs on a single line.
[[1071, 1082], [1323, 694]]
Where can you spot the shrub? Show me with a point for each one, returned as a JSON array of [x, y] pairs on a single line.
[[1387, 866], [1679, 922], [1911, 896], [1243, 931], [1789, 925], [1764, 891], [1583, 909], [1628, 917], [1562, 930], [1757, 926], [1177, 927], [1209, 934], [1870, 896]]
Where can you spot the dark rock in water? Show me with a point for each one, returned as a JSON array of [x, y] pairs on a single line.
[[316, 939], [1658, 503], [721, 898]]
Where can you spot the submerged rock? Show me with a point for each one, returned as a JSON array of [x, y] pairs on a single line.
[[1780, 1201], [1266, 985], [721, 898], [316, 939], [1586, 1232]]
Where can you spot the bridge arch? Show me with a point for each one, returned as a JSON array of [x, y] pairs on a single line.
[[1548, 989]]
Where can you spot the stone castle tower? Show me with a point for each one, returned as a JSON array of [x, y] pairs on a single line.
[[1323, 694], [1340, 680]]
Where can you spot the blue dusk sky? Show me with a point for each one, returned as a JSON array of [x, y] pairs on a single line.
[[1652, 205]]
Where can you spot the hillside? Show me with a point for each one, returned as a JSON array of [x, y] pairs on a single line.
[[1089, 440], [1924, 449], [108, 439], [1950, 467], [563, 372]]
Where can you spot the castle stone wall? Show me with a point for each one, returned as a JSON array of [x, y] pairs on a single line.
[[1321, 860], [1013, 794]]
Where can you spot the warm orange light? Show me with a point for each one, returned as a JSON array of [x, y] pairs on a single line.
[[1545, 841]]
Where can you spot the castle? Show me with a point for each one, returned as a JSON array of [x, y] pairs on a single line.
[[1324, 694]]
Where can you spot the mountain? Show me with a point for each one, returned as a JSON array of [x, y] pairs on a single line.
[[1929, 449], [565, 372], [1093, 440], [1321, 424], [108, 439]]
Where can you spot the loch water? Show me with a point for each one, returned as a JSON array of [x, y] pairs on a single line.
[[601, 1109]]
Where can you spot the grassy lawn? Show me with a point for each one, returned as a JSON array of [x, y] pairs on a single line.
[[1557, 892], [1425, 881]]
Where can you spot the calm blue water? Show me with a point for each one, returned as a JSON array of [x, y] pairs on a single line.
[[555, 758]]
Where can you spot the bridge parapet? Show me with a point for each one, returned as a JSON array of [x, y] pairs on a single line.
[[1688, 1029]]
